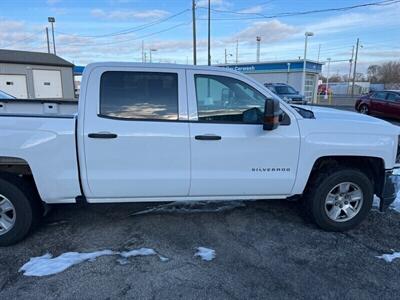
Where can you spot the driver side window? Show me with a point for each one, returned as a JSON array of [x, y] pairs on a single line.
[[228, 100]]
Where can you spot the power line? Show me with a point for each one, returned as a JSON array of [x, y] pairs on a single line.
[[129, 30], [136, 38], [291, 14], [33, 36]]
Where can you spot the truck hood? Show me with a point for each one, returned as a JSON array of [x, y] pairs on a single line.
[[325, 113], [332, 113]]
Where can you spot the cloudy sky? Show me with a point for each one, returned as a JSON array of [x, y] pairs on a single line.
[[113, 30]]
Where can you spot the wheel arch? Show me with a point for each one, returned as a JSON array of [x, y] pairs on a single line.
[[372, 167], [19, 167]]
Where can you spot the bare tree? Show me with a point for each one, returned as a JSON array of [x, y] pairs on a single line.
[[373, 73], [335, 78], [389, 72]]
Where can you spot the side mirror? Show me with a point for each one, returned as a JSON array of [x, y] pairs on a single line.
[[272, 112]]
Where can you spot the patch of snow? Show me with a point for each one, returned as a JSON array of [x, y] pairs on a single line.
[[390, 257], [138, 252], [206, 254], [396, 204], [375, 203], [47, 265], [193, 207], [163, 258], [123, 261]]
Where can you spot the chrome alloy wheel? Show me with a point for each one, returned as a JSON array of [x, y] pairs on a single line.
[[7, 215], [344, 202]]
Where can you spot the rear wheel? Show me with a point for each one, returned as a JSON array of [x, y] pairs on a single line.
[[339, 199], [363, 109], [18, 214]]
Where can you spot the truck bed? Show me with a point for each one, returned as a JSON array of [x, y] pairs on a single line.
[[41, 134], [38, 107]]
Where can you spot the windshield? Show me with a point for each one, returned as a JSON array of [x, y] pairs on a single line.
[[285, 89], [4, 95]]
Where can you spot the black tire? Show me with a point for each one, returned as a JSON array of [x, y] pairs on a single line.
[[27, 212], [364, 109], [319, 188]]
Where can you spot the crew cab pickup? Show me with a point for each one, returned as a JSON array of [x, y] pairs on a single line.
[[160, 132]]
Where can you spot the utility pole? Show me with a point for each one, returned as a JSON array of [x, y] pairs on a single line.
[[319, 51], [258, 39], [52, 20], [194, 31], [209, 32], [47, 39], [143, 51], [351, 65], [355, 67], [226, 59], [237, 51]]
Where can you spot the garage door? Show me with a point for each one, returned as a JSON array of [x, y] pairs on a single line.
[[15, 85], [47, 84]]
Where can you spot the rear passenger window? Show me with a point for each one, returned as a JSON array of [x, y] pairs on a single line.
[[380, 95], [139, 95], [393, 97]]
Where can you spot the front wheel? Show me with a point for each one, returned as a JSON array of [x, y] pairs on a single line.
[[338, 200], [364, 109]]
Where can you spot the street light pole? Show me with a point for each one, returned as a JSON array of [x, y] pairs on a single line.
[[52, 20], [327, 80], [258, 39], [303, 79], [152, 50], [227, 55], [47, 39]]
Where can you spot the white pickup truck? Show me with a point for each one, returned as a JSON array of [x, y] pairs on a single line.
[[160, 132]]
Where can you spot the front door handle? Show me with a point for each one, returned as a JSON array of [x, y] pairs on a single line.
[[102, 135], [208, 137]]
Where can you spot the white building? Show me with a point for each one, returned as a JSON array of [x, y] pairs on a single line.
[[36, 75], [290, 72]]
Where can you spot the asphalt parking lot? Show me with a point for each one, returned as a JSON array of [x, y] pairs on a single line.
[[264, 249]]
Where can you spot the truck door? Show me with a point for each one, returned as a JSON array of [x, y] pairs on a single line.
[[135, 143], [231, 153]]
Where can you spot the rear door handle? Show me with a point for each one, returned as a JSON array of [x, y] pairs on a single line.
[[208, 137], [102, 135]]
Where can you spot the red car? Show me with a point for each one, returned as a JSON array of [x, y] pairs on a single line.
[[382, 103], [322, 89]]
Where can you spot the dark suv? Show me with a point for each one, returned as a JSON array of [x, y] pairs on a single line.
[[286, 92]]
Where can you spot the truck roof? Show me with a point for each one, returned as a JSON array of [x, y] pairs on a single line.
[[91, 66]]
